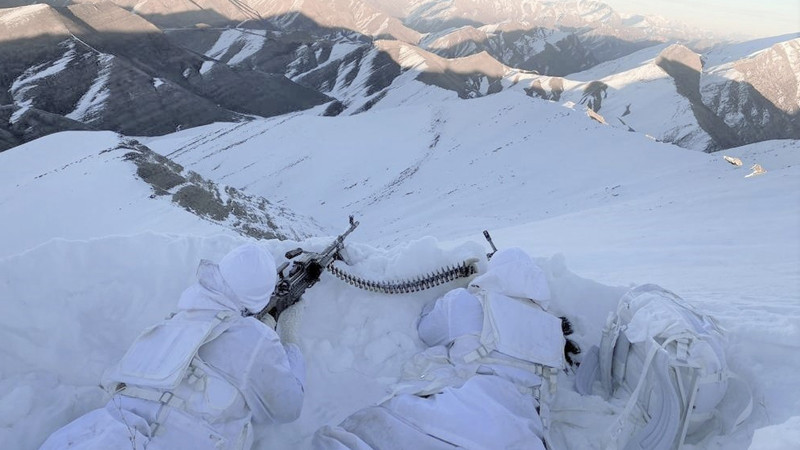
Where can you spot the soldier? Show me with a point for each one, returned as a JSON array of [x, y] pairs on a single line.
[[205, 376], [487, 378]]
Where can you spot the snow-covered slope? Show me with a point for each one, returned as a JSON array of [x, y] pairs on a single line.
[[732, 96], [621, 208], [84, 185], [635, 94], [612, 206]]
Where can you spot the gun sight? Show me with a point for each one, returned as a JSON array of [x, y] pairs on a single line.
[[293, 253]]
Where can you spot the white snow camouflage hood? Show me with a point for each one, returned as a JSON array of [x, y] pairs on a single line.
[[513, 273], [243, 279]]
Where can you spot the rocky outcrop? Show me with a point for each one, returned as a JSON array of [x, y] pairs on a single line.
[[685, 68], [596, 32], [516, 45], [32, 123], [750, 100], [247, 214], [471, 76], [758, 97]]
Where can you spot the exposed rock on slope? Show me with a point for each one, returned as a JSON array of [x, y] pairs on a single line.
[[730, 97], [107, 65], [516, 45], [302, 15], [685, 67], [759, 96], [249, 215]]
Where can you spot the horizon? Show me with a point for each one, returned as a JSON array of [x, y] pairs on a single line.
[[738, 17]]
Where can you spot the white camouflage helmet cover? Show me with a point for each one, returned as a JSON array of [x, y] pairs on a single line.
[[250, 272]]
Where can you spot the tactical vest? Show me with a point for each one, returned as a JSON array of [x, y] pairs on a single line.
[[162, 366]]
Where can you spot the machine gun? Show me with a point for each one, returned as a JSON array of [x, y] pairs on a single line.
[[304, 273]]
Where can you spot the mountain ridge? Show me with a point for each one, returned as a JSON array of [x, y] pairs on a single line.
[[124, 73]]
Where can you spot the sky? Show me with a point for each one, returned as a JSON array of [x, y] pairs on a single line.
[[755, 18]]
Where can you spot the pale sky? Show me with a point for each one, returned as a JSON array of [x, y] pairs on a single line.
[[758, 18]]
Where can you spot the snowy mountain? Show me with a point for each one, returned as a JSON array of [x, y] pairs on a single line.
[[604, 33], [106, 68], [731, 96], [152, 67], [600, 208], [542, 50]]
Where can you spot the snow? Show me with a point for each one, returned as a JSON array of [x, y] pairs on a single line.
[[45, 70], [226, 39], [80, 192], [600, 209], [25, 83], [251, 41], [640, 96], [340, 50], [204, 68], [733, 52], [93, 101], [22, 108], [782, 436]]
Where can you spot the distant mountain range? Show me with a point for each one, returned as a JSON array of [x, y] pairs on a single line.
[[154, 67]]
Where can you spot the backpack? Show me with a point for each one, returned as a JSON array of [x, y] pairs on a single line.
[[670, 361]]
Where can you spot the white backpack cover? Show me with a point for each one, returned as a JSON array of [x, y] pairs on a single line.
[[670, 360], [160, 356]]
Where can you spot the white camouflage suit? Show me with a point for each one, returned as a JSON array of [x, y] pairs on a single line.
[[201, 379], [480, 383]]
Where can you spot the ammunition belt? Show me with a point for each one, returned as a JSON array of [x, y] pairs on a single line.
[[443, 275]]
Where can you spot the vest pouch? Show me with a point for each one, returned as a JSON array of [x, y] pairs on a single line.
[[522, 329]]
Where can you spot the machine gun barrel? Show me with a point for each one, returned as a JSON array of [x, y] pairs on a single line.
[[489, 238]]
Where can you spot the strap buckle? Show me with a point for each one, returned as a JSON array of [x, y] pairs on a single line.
[[166, 397]]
